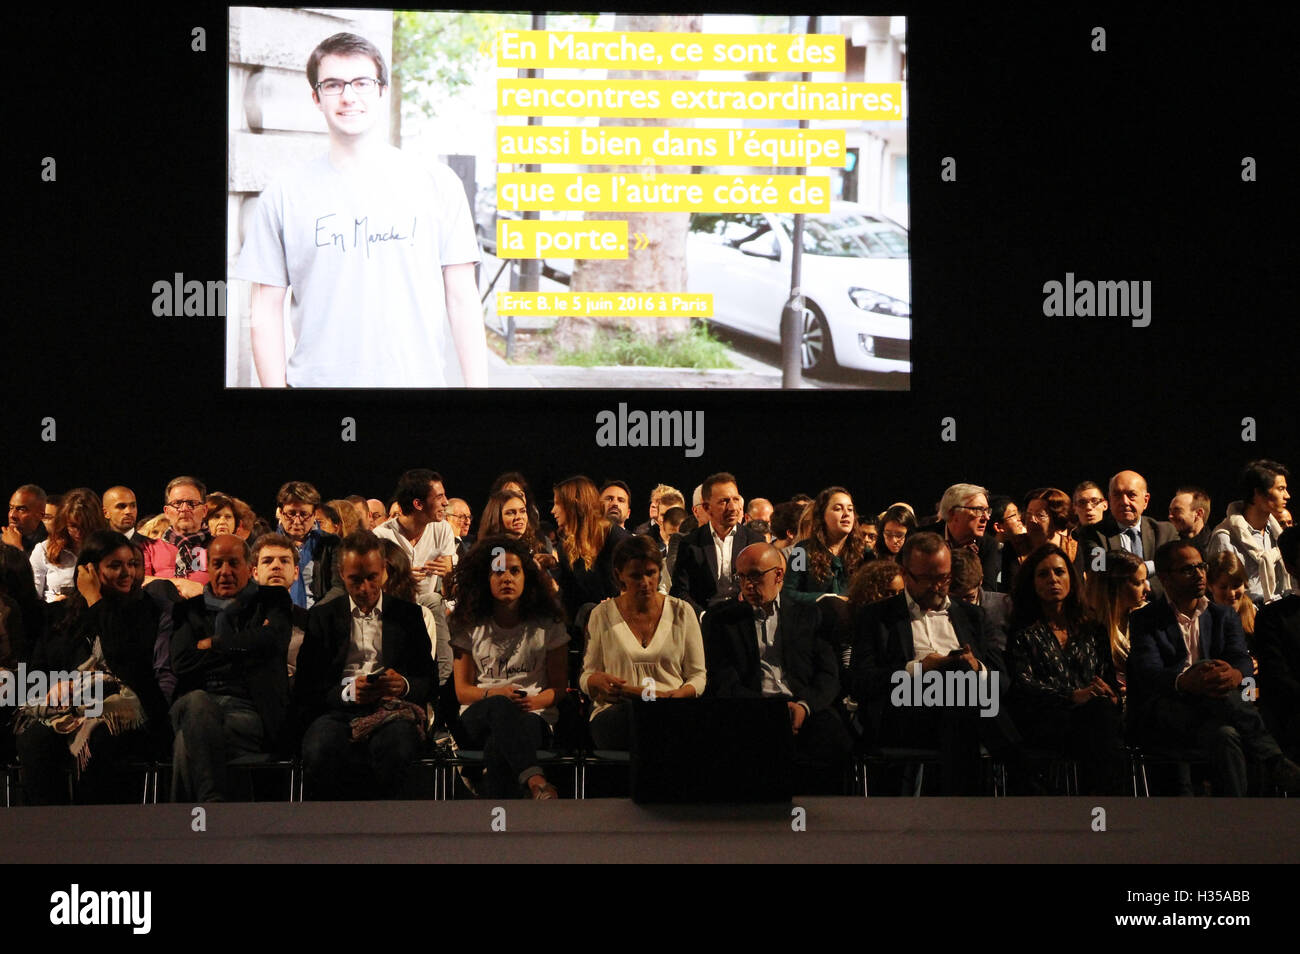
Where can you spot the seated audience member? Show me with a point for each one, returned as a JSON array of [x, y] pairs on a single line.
[[221, 517], [922, 629], [760, 529], [26, 526], [968, 586], [461, 518], [1064, 695], [1277, 640], [328, 518], [1009, 528], [670, 523], [152, 528], [121, 510], [867, 533], [760, 508], [378, 512], [704, 572], [400, 582], [768, 646], [361, 509], [831, 553], [1189, 512], [874, 581], [419, 529], [1047, 519], [585, 564], [25, 621], [895, 525], [785, 524], [1186, 664], [54, 561], [348, 522], [229, 651], [699, 509], [107, 631], [296, 505], [515, 481], [1113, 594], [1089, 505], [506, 512], [511, 668], [1126, 527], [275, 563], [1226, 585], [639, 639], [365, 673], [181, 553], [963, 517], [52, 504], [1252, 527], [616, 502], [248, 525]]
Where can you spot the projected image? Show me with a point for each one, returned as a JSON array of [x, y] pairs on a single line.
[[459, 199]]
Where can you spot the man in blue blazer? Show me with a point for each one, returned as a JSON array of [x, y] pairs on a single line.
[[1187, 660], [365, 671]]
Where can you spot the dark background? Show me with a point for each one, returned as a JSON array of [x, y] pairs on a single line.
[[1123, 165]]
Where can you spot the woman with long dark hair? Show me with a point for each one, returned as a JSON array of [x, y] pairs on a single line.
[[106, 636], [1065, 697], [831, 553], [510, 647], [584, 567], [895, 524]]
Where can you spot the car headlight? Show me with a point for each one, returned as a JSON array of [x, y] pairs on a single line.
[[882, 304]]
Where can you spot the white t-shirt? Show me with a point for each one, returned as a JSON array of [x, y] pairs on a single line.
[[364, 252], [437, 540], [516, 655], [52, 577]]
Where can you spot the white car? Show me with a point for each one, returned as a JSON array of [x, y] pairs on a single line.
[[856, 281]]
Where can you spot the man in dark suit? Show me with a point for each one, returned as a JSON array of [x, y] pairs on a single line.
[[1187, 660], [963, 517], [228, 651], [1277, 645], [704, 573], [364, 673], [760, 647], [1124, 527], [920, 632]]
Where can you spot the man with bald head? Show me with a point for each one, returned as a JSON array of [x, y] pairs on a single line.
[[764, 647], [26, 527], [229, 652], [121, 510], [378, 512], [760, 508], [1125, 527]]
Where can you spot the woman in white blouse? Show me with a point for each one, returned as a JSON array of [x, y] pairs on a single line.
[[54, 559], [641, 640]]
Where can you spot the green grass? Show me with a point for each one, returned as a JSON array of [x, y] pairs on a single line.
[[695, 349]]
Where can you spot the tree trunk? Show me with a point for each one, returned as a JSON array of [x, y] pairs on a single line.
[[660, 267]]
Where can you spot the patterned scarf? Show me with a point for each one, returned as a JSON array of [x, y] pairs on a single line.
[[187, 547]]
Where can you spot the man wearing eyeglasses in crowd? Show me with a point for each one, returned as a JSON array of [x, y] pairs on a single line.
[[318, 570], [379, 250], [1127, 528], [1186, 667], [963, 517], [923, 629], [460, 517], [181, 554]]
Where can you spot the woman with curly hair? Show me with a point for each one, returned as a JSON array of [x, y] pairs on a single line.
[[509, 648], [54, 560], [1065, 697], [831, 553]]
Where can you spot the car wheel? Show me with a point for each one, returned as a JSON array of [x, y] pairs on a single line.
[[816, 352]]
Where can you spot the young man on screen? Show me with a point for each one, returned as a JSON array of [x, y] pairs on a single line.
[[378, 249]]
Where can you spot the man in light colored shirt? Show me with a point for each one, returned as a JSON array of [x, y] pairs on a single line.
[[1252, 528], [704, 573], [363, 659], [1186, 668], [422, 533]]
